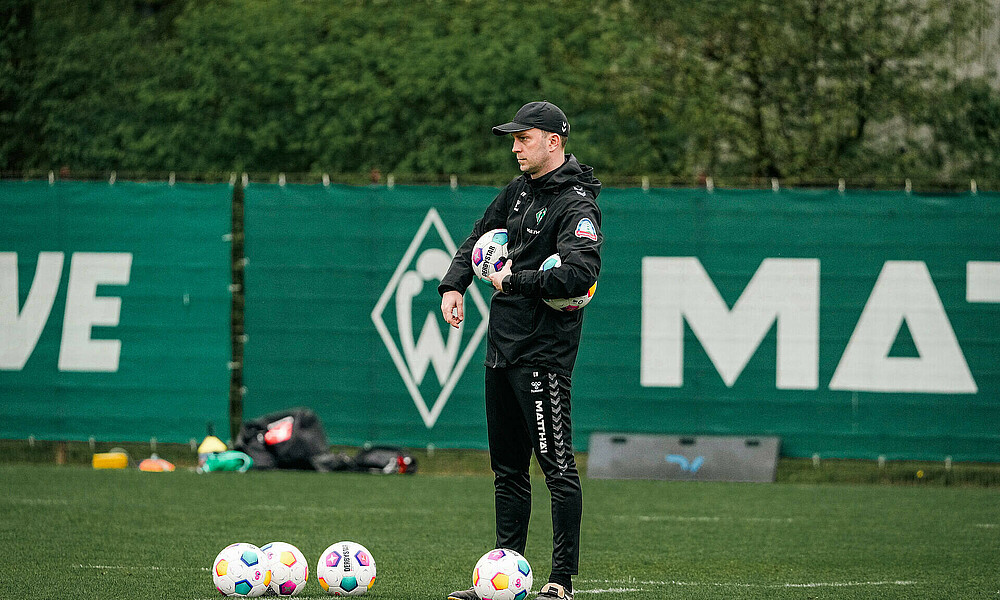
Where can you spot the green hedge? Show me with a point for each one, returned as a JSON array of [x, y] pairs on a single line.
[[773, 88]]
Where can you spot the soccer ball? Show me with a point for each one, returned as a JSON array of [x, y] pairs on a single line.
[[346, 569], [289, 569], [489, 255], [502, 574], [565, 304], [241, 570]]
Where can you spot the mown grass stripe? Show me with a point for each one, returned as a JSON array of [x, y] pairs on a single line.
[[819, 584]]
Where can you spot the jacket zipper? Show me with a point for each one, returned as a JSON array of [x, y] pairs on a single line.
[[523, 216], [496, 359]]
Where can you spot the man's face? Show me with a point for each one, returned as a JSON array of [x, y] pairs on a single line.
[[532, 150]]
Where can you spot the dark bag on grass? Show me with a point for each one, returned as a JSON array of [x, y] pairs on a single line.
[[333, 461], [385, 459], [289, 439]]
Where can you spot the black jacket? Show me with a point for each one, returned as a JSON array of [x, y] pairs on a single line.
[[556, 213]]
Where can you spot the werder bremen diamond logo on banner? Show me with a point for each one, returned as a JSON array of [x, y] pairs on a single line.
[[410, 304]]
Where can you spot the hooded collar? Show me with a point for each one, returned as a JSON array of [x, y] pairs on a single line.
[[539, 183], [571, 172]]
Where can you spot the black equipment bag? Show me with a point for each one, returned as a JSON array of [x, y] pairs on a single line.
[[289, 439], [385, 459]]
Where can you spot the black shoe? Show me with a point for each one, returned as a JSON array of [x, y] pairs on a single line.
[[554, 590], [469, 594]]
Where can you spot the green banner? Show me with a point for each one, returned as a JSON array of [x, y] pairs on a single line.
[[342, 312], [114, 310], [853, 325], [849, 324]]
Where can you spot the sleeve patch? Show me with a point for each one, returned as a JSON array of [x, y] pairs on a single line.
[[585, 229]]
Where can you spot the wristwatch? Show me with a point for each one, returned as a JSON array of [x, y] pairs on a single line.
[[505, 284]]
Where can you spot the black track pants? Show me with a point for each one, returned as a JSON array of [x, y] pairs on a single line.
[[528, 409]]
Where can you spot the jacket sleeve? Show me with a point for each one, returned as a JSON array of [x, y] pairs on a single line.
[[579, 246], [459, 275]]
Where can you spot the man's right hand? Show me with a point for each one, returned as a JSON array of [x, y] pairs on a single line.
[[451, 308]]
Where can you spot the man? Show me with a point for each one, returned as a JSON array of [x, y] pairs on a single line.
[[551, 208]]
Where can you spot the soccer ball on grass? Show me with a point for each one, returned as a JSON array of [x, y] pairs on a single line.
[[289, 569], [241, 570], [346, 569], [502, 574]]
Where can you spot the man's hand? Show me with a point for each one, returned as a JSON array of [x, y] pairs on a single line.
[[451, 308], [497, 278]]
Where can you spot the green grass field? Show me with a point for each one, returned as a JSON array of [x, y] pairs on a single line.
[[73, 532]]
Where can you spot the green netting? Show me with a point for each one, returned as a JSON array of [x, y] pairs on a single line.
[[326, 266], [173, 319], [341, 316]]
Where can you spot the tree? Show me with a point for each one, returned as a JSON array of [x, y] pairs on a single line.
[[15, 141], [810, 89], [968, 136]]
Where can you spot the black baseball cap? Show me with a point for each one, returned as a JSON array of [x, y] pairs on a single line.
[[543, 115]]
